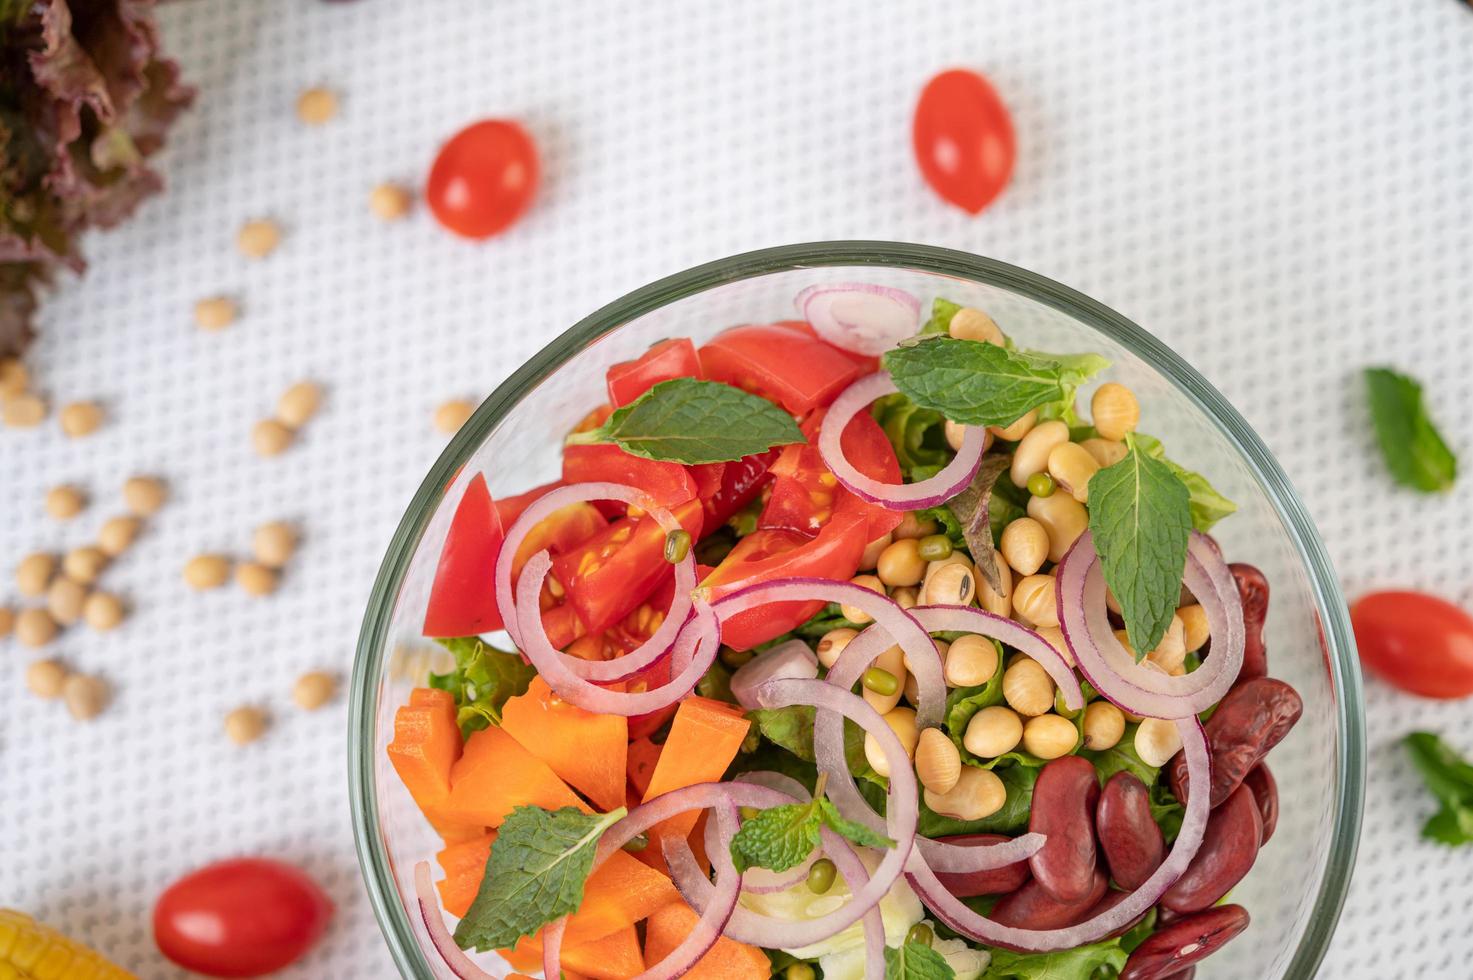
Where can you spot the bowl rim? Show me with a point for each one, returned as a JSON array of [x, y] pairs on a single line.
[[393, 918]]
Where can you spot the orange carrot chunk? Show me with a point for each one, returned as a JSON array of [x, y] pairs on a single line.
[[643, 755], [587, 750], [727, 960], [464, 865], [495, 775], [705, 736], [425, 749], [614, 957]]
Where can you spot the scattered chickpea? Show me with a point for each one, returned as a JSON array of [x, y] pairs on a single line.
[[1063, 517], [255, 578], [978, 793], [1049, 736], [65, 502], [1105, 452], [1104, 724], [1071, 467], [1033, 450], [971, 660], [905, 597], [913, 527], [993, 731], [938, 763], [45, 679], [85, 696], [244, 725], [103, 611], [1028, 688], [1114, 411], [7, 621], [853, 613], [270, 437], [999, 602], [901, 563], [80, 419], [1156, 741], [892, 662], [298, 404], [34, 573], [451, 415], [972, 324], [832, 644], [65, 599], [1034, 599], [116, 534], [34, 627], [1025, 545], [316, 106], [1195, 632], [872, 551], [274, 543], [84, 564], [902, 722], [144, 495], [258, 239], [313, 689], [389, 202], [1018, 429], [214, 313], [951, 581], [14, 378], [207, 571], [23, 411]]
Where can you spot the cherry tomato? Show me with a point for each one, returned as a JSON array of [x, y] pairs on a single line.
[[461, 603], [483, 178], [1416, 642], [241, 918], [963, 139]]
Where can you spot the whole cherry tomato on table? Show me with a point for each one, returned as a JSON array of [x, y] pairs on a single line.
[[240, 918], [964, 139], [1416, 642], [483, 178]]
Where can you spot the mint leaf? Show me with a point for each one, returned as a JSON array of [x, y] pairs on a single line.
[[781, 837], [1079, 963], [1208, 506], [856, 833], [1140, 515], [914, 961], [685, 420], [535, 875], [1450, 778], [483, 680], [942, 310], [1074, 371], [1411, 445], [971, 382]]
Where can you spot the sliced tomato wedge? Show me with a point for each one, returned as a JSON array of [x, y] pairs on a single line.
[[780, 363], [463, 597], [741, 481], [665, 361], [867, 364], [510, 508], [609, 575], [560, 531], [668, 483], [804, 490]]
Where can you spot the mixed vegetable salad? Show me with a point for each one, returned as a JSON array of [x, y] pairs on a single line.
[[846, 647]]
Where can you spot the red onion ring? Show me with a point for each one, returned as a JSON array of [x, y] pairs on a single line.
[[791, 659], [696, 643], [949, 909], [860, 316], [1114, 672], [620, 668], [429, 910], [896, 496]]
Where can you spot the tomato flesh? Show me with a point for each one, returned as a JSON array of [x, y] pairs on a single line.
[[463, 599], [666, 361], [804, 490], [483, 178], [963, 139], [1416, 642], [668, 484], [787, 366], [741, 482], [240, 918]]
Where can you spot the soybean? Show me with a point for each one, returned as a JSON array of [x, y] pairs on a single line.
[[832, 644], [853, 613], [1050, 736], [970, 661], [902, 564], [1024, 544], [993, 731], [1071, 467], [978, 793], [1114, 411], [1033, 450], [1027, 687]]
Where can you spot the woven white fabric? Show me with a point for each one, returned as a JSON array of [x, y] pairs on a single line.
[[1281, 191]]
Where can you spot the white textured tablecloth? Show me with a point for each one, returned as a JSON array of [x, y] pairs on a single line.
[[1283, 191]]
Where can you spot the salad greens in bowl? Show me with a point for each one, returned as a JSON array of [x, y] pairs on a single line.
[[856, 610]]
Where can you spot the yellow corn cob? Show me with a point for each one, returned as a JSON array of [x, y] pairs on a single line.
[[31, 951]]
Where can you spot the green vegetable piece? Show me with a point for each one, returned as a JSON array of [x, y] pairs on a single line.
[[942, 310], [1041, 485], [1414, 451], [689, 421], [736, 659], [912, 961], [1079, 963], [792, 729], [799, 971], [1074, 370], [781, 837], [1450, 778], [538, 866], [483, 680], [821, 876], [971, 382], [881, 681], [1140, 515], [920, 934], [677, 546], [934, 547]]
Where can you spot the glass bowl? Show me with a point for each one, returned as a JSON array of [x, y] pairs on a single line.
[[1294, 896]]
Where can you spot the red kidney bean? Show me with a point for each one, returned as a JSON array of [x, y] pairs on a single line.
[[1228, 850], [1130, 839], [1253, 591], [1266, 795], [1063, 809], [1031, 907], [1186, 941], [1113, 898], [1251, 718], [994, 881]]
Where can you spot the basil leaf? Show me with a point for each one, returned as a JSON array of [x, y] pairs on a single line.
[[1450, 778], [688, 421], [539, 863], [1140, 515], [1079, 963], [971, 382], [483, 680], [973, 508], [1411, 445], [913, 961], [1208, 506]]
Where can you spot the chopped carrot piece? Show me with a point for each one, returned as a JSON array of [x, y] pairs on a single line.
[[464, 865], [495, 775], [614, 957], [727, 960], [643, 754], [587, 750], [705, 736], [425, 749]]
